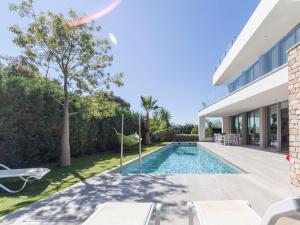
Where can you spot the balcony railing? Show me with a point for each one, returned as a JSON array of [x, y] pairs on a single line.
[[266, 63]]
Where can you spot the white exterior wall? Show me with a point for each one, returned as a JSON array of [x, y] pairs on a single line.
[[201, 128], [226, 124]]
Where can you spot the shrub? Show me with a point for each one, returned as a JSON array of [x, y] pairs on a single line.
[[31, 120], [194, 130], [186, 137]]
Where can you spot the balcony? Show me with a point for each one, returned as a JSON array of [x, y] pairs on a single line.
[[267, 62], [270, 61]]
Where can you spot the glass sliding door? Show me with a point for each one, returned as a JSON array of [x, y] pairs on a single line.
[[237, 124], [253, 128], [272, 122], [284, 126]]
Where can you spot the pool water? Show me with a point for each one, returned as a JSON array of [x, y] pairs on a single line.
[[181, 159]]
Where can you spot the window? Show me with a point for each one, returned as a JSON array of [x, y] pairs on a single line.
[[237, 124], [298, 35], [289, 41], [274, 58], [272, 125], [256, 70], [270, 60], [253, 128]]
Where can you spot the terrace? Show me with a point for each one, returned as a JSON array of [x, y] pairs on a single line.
[[262, 184]]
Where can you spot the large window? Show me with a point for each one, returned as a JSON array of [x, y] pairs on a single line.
[[253, 127], [272, 125], [270, 60], [237, 124]]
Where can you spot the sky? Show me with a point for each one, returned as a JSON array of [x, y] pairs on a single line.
[[166, 48]]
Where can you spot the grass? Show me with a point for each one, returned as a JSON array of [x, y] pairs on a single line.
[[61, 178]]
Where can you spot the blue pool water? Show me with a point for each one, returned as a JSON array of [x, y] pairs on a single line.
[[181, 159]]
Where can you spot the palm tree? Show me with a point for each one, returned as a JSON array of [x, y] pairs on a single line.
[[165, 117], [148, 104]]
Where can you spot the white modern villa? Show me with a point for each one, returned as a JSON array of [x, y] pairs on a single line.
[[261, 73]]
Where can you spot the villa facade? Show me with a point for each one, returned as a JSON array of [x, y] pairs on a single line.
[[261, 73]]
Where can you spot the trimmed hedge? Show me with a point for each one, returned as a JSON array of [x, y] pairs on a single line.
[[30, 123], [186, 137]]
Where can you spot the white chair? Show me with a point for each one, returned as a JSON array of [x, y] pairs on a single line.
[[24, 174], [237, 212], [231, 139], [119, 213]]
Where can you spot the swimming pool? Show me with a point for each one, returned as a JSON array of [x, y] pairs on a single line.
[[181, 159]]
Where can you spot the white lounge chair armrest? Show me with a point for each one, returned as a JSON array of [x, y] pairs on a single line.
[[157, 213], [284, 208], [5, 167], [190, 207]]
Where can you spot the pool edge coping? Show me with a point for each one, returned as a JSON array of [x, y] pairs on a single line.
[[197, 143], [136, 158], [223, 159]]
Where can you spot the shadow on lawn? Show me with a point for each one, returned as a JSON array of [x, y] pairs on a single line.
[[78, 202], [60, 178]]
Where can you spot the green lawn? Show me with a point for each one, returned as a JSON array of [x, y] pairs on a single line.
[[60, 178]]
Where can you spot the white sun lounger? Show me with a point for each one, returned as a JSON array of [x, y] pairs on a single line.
[[25, 174], [118, 213], [236, 212]]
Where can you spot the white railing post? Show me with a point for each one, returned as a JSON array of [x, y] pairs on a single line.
[[140, 145]]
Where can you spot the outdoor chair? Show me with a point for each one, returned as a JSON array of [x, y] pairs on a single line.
[[238, 212], [118, 213], [231, 139], [218, 138], [24, 174]]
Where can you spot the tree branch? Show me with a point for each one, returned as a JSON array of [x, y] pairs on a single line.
[[80, 111], [47, 86]]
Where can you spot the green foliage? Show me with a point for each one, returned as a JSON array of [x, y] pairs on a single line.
[[30, 124], [74, 55], [77, 54], [210, 126], [194, 130], [186, 137], [183, 129], [148, 104]]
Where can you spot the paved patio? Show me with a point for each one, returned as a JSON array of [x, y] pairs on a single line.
[[265, 182]]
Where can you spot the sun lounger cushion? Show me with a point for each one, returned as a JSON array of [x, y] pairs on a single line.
[[120, 214], [231, 212]]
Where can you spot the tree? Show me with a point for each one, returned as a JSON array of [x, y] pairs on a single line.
[[74, 54], [149, 104], [164, 117], [194, 130]]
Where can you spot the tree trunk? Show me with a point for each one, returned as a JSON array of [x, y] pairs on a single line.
[[147, 132], [147, 138], [65, 154]]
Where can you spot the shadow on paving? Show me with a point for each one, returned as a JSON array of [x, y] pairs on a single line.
[[77, 203]]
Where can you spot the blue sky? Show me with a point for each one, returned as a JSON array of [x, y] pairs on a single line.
[[167, 49]]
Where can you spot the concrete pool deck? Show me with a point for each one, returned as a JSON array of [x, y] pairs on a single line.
[[265, 182]]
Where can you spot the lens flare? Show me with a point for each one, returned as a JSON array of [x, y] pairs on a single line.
[[109, 8], [113, 38]]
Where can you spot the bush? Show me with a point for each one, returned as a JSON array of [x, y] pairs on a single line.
[[186, 137], [183, 129], [194, 130], [30, 123], [162, 135]]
